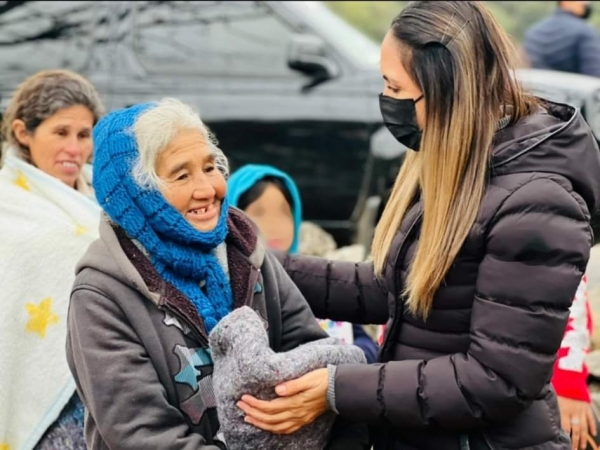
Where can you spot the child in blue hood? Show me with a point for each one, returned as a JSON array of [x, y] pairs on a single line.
[[271, 199]]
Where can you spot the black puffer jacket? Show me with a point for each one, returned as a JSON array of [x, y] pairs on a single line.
[[479, 368]]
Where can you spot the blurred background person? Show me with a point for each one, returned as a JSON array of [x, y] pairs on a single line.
[[48, 217], [271, 199], [565, 41]]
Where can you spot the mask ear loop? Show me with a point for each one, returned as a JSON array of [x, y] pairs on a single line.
[[419, 99]]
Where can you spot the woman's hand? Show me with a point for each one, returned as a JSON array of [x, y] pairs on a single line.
[[577, 419], [301, 401]]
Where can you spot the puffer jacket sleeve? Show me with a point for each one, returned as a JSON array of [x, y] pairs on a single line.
[[299, 326], [537, 249], [339, 290]]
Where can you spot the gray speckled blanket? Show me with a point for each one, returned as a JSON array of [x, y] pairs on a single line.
[[244, 364]]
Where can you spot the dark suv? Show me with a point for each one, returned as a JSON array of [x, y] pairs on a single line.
[[284, 83]]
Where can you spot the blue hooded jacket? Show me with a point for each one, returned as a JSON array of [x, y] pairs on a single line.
[[247, 176]]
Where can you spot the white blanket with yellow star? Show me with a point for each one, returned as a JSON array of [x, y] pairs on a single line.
[[45, 228]]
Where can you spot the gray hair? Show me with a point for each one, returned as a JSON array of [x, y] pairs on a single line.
[[155, 128], [41, 96]]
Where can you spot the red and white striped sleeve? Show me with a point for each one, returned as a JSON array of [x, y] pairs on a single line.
[[570, 370]]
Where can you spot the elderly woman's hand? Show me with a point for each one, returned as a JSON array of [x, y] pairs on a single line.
[[301, 402]]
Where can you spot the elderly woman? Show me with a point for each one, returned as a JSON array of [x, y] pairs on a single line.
[[48, 218], [172, 260]]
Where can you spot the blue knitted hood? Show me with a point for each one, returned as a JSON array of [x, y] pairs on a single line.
[[181, 254]]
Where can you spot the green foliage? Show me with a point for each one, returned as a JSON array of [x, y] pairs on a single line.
[[374, 17]]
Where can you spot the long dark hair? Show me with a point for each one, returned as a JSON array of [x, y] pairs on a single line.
[[462, 61]]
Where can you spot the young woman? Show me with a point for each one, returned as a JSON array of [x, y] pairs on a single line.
[[477, 256]]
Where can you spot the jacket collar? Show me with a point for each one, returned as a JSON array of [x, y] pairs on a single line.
[[245, 254]]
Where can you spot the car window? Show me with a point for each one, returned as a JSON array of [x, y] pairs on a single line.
[[44, 35], [211, 38]]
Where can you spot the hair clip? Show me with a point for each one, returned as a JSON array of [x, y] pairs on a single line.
[[447, 26], [459, 31]]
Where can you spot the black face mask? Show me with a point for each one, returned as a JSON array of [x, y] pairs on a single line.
[[400, 117], [588, 12]]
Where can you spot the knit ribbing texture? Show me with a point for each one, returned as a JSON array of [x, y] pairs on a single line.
[[181, 254]]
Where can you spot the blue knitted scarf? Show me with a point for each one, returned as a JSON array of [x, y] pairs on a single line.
[[181, 254]]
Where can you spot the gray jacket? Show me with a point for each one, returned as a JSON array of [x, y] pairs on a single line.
[[138, 350]]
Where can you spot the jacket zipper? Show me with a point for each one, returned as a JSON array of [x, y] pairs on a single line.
[[202, 339], [193, 331], [401, 253], [487, 441], [255, 275], [399, 310]]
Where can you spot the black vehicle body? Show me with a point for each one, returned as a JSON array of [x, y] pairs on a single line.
[[282, 83]]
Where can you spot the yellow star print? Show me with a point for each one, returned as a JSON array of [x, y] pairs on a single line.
[[22, 182], [79, 230], [40, 317], [4, 447]]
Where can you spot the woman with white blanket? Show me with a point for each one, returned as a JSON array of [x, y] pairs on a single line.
[[48, 217]]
